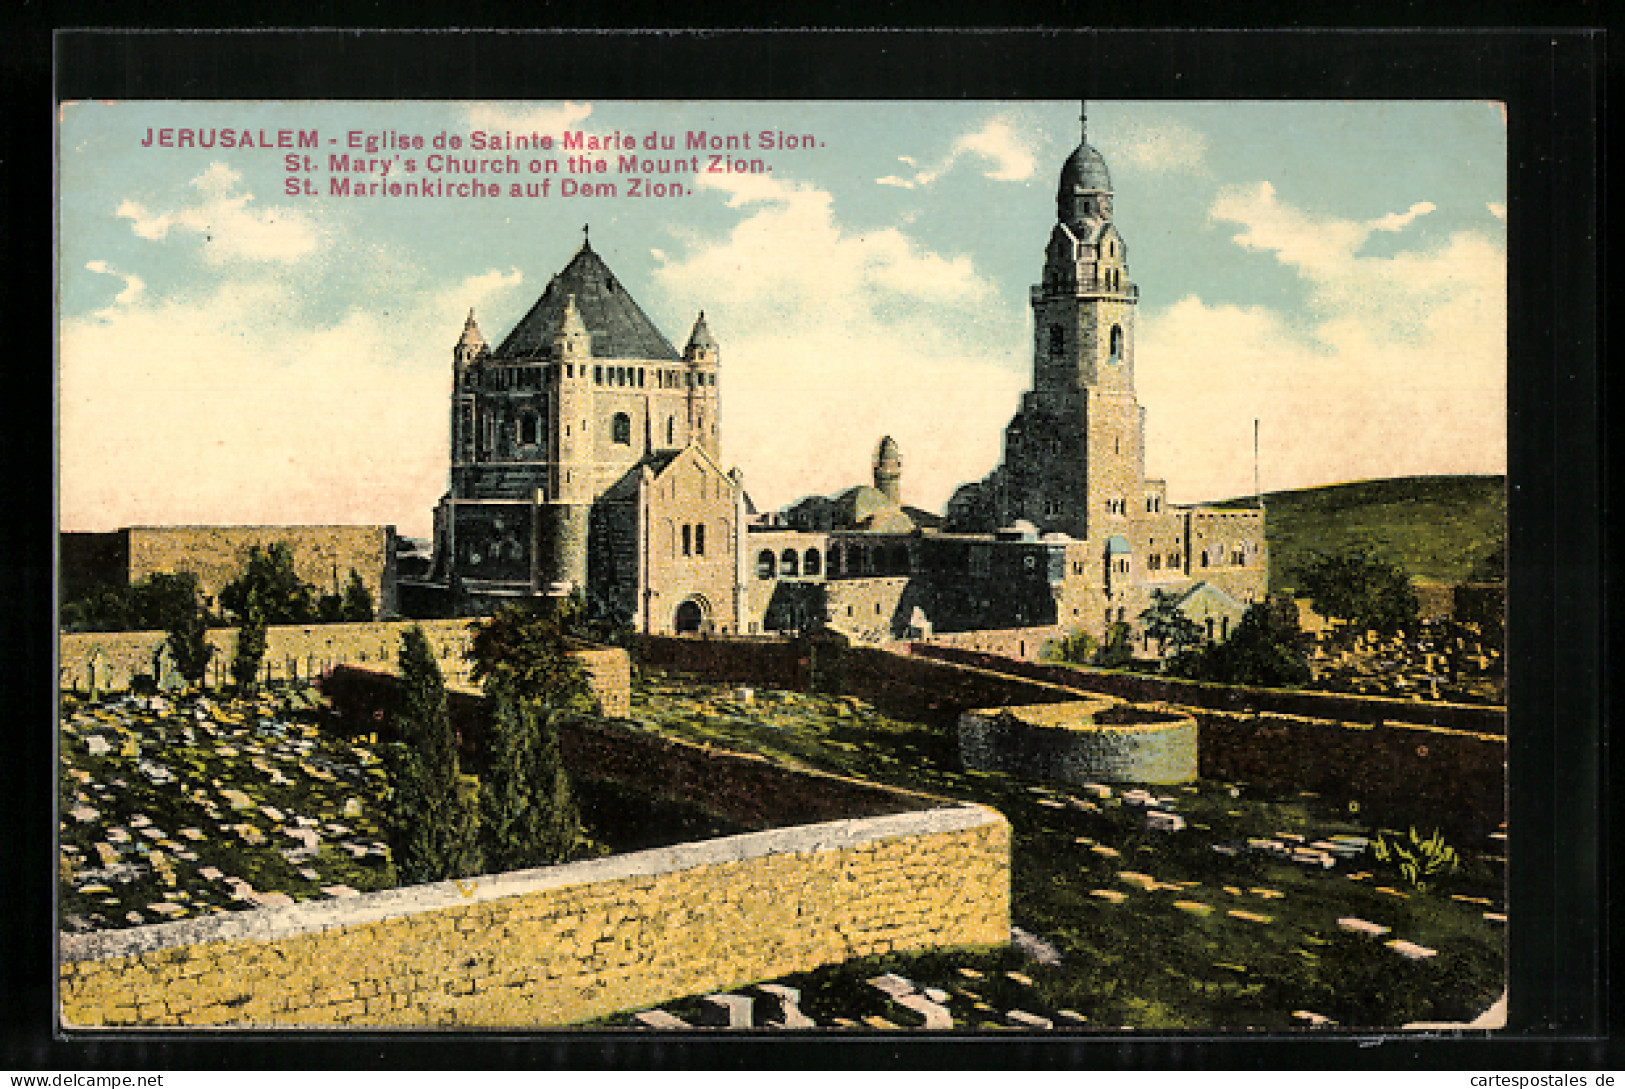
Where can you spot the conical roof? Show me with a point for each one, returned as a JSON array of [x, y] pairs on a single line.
[[471, 337], [619, 327], [701, 336], [1085, 169]]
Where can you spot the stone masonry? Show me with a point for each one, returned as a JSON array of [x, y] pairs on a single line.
[[567, 943]]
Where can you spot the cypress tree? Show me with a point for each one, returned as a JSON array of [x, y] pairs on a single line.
[[528, 812], [188, 643], [432, 829], [528, 816], [245, 663]]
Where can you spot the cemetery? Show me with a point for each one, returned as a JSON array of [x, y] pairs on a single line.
[[1208, 903]]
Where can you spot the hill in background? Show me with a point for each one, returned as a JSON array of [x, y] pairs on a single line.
[[1435, 527]]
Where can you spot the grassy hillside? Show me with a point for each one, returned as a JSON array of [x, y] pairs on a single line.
[[1436, 527]]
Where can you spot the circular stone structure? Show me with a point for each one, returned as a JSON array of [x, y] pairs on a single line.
[[1096, 740]]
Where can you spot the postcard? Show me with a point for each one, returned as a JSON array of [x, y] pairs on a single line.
[[854, 566]]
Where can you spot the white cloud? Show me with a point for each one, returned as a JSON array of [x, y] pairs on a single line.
[[133, 285], [215, 411], [1163, 146], [1498, 210], [231, 226], [1402, 370], [831, 338], [1007, 156], [474, 292], [1398, 221], [524, 118]]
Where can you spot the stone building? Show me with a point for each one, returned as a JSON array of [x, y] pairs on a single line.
[[1067, 533], [585, 457]]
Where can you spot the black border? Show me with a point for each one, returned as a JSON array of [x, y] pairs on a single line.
[[1553, 83]]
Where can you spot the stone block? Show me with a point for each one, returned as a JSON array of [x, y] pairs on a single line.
[[782, 1007], [658, 1019], [1023, 1019], [893, 986], [933, 1015], [731, 1011]]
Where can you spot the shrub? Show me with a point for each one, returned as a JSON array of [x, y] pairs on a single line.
[[1118, 649], [1418, 860]]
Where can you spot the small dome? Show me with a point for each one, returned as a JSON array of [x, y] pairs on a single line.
[[1085, 169], [1116, 545], [1055, 536], [887, 452]]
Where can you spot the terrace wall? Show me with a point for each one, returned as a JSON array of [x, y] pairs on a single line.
[[1139, 688], [1398, 759], [567, 943], [292, 652]]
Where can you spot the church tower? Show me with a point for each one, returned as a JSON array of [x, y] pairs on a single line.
[[889, 471], [1074, 459]]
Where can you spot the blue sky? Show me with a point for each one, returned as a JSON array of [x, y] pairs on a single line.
[[229, 353]]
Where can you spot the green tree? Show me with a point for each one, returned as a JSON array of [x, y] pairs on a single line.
[[270, 580], [528, 816], [1359, 587], [1118, 649], [431, 819], [188, 641], [251, 639], [529, 646], [356, 605], [163, 599], [1168, 625], [1259, 652]]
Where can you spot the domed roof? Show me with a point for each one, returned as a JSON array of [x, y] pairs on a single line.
[[1085, 169]]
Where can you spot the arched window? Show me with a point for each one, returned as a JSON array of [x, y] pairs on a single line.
[[1057, 340], [688, 539], [1117, 343], [1224, 627], [789, 563], [529, 429], [671, 431], [620, 429], [766, 565], [810, 562], [699, 539]]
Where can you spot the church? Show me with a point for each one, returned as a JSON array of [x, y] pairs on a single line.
[[585, 457]]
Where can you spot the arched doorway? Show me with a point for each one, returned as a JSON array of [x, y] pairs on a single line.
[[690, 618]]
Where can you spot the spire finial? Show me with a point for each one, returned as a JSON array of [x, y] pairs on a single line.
[[586, 234], [1083, 121]]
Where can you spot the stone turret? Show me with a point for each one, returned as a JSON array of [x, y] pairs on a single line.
[[471, 345], [889, 471], [704, 402]]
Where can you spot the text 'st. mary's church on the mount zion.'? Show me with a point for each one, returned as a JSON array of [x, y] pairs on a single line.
[[586, 456]]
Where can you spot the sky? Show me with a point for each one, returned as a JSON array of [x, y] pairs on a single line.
[[233, 350]]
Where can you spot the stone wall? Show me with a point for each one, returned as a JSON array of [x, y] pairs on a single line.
[[1394, 757], [1398, 772], [1079, 743], [322, 555], [1028, 643], [1337, 706], [108, 661], [567, 943], [292, 652]]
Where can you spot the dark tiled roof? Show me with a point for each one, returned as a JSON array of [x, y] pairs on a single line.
[[619, 327]]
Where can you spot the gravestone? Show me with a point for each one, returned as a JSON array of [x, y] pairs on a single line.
[[165, 670], [783, 1007], [725, 1011]]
